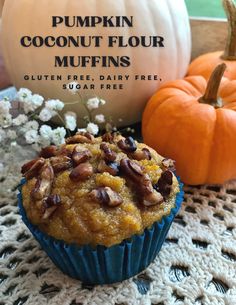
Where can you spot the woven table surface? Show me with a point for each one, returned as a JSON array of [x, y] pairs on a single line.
[[197, 264]]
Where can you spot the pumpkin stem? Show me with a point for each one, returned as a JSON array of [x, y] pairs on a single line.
[[211, 95], [230, 49]]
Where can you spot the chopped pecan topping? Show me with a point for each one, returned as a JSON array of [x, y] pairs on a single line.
[[164, 184], [127, 145], [82, 172], [153, 198], [100, 195], [131, 169], [143, 154], [32, 168], [61, 163], [144, 184], [108, 137], [64, 152], [48, 152], [52, 200], [168, 164], [110, 167], [105, 195], [53, 151], [82, 137], [80, 156], [107, 153], [50, 204], [44, 183]]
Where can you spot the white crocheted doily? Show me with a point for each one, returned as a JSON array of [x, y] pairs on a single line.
[[197, 264]]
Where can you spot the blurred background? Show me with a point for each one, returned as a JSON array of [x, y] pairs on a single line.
[[205, 8]]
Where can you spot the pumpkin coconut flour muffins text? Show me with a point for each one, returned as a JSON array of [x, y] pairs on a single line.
[[100, 207]]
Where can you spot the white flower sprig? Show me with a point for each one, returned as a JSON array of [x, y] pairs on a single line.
[[32, 125]]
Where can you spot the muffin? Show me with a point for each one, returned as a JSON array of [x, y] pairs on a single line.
[[100, 207]]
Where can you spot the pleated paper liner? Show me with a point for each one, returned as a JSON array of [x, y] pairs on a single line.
[[102, 265]]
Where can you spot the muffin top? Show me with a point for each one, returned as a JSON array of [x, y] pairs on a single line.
[[98, 191]]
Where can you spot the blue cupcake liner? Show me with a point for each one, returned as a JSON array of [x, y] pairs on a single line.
[[102, 265]]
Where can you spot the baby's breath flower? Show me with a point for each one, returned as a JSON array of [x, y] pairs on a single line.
[[73, 87], [93, 128], [46, 114], [31, 136], [58, 136], [37, 100], [30, 102], [33, 103], [24, 95], [43, 142], [20, 120], [5, 120], [93, 103], [31, 125], [70, 118], [5, 106], [14, 144], [55, 105], [2, 135], [11, 134], [46, 132], [100, 119], [27, 107]]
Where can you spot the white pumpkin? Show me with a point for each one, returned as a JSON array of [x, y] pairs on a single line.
[[166, 18]]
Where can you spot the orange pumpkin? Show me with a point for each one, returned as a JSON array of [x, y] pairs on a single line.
[[194, 123], [204, 64]]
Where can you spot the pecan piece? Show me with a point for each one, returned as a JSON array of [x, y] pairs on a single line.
[[107, 153], [64, 152], [127, 145], [50, 204], [61, 163], [43, 185], [82, 172], [105, 195], [110, 167], [80, 156], [131, 169], [32, 168], [144, 184], [153, 198], [141, 154], [48, 152], [53, 151], [168, 164], [52, 200], [108, 137], [164, 184], [82, 137]]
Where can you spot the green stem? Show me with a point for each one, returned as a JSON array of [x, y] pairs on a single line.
[[211, 95]]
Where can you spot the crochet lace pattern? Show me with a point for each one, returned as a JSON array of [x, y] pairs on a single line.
[[197, 264]]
